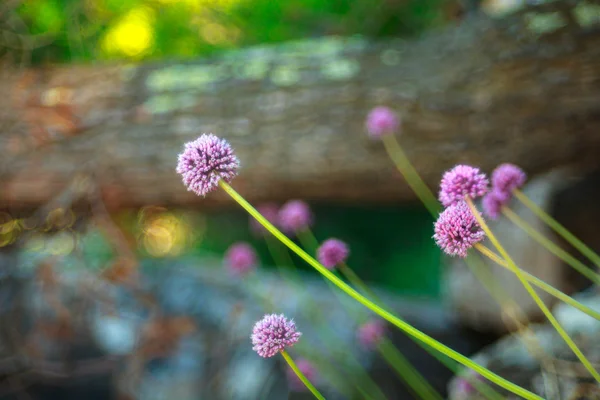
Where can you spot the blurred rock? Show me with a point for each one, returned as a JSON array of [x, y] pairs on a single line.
[[183, 332], [561, 376]]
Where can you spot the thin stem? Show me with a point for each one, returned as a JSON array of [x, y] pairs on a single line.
[[551, 290], [404, 326], [371, 391], [404, 368], [551, 246], [410, 174], [532, 292], [558, 228], [303, 378]]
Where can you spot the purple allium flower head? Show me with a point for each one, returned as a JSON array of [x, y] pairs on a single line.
[[272, 334], [508, 177], [240, 258], [370, 333], [307, 369], [382, 121], [461, 181], [493, 202], [268, 210], [295, 215], [205, 161], [332, 252], [457, 230]]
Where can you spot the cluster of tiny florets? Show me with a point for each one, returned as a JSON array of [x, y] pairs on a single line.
[[240, 258], [332, 252], [294, 216], [272, 334], [505, 179], [460, 182], [370, 333], [205, 161], [508, 177], [382, 121], [457, 230]]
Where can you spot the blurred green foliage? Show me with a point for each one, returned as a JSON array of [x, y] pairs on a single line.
[[87, 30]]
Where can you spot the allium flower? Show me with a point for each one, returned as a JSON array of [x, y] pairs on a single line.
[[332, 252], [240, 258], [493, 202], [370, 333], [272, 334], [508, 177], [205, 161], [268, 210], [464, 387], [461, 181], [382, 121], [307, 369], [295, 215], [457, 230]]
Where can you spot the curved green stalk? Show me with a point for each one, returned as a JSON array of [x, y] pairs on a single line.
[[551, 246], [520, 275], [303, 378], [404, 326], [410, 174], [371, 390], [558, 228], [551, 290], [407, 373]]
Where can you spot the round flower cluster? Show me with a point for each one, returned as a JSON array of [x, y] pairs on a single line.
[[505, 179], [332, 252], [240, 258], [205, 161], [457, 230], [460, 182], [370, 333], [272, 334], [382, 121]]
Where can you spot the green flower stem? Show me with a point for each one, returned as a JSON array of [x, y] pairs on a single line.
[[551, 246], [370, 387], [540, 283], [407, 328], [399, 363], [558, 228], [410, 174], [306, 382], [405, 369], [532, 292]]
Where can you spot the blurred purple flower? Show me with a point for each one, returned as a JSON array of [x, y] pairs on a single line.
[[493, 202], [205, 161], [508, 177], [294, 216], [461, 181], [457, 230], [268, 210], [382, 121], [332, 252], [370, 333], [307, 369], [240, 258], [272, 334]]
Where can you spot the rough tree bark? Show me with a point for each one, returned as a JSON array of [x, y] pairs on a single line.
[[523, 89]]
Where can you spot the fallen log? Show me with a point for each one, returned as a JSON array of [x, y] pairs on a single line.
[[522, 89]]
